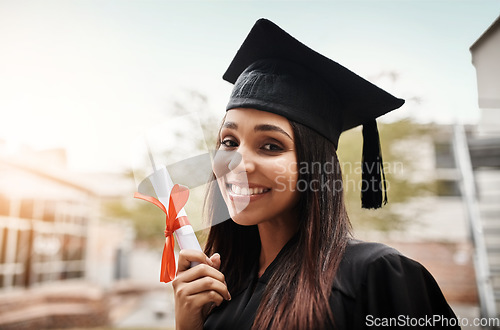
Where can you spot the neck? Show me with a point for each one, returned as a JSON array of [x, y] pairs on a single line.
[[273, 237]]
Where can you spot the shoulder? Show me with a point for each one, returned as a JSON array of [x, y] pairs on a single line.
[[360, 253], [381, 282], [366, 262]]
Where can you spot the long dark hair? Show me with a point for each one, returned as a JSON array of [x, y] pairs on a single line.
[[297, 295]]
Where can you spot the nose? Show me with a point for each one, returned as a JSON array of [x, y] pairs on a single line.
[[232, 161], [242, 161]]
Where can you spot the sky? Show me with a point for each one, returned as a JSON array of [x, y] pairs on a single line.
[[90, 76]]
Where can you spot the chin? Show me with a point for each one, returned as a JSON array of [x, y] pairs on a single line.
[[241, 219], [245, 219]]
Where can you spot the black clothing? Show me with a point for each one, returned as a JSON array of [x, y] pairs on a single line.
[[375, 287]]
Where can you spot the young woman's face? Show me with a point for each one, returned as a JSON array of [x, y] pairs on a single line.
[[256, 166]]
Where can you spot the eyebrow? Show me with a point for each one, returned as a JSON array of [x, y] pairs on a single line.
[[262, 128], [230, 124]]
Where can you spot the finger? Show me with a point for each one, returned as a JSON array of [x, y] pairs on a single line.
[[188, 256], [205, 284], [206, 297], [201, 271], [216, 260]]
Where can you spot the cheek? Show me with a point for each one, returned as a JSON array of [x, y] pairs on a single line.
[[285, 167], [282, 166], [293, 171], [222, 160], [283, 173]]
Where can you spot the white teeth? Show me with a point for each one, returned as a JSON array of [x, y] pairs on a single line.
[[256, 191], [237, 190]]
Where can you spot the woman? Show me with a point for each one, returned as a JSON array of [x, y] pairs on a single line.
[[285, 258]]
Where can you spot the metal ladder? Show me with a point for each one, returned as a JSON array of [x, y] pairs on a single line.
[[483, 237]]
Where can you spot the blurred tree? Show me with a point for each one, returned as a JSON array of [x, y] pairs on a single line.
[[402, 143], [149, 220]]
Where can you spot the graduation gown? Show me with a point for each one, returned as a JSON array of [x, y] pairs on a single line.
[[375, 288]]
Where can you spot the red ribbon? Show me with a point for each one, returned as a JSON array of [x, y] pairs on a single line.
[[178, 198]]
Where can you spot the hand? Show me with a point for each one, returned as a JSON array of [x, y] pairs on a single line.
[[197, 290]]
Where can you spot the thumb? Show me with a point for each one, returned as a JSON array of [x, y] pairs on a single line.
[[215, 258]]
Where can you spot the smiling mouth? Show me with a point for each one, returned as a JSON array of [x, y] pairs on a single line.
[[245, 191]]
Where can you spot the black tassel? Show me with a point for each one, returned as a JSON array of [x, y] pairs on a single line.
[[373, 185]]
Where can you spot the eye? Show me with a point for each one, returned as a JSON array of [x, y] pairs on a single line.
[[228, 143], [272, 147]]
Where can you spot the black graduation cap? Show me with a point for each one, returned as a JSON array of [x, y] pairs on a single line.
[[272, 71]]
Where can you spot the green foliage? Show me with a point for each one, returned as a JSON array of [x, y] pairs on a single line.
[[147, 219], [401, 166]]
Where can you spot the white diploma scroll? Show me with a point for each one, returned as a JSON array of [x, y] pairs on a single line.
[[162, 185]]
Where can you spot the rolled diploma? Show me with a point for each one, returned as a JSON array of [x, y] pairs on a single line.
[[163, 184]]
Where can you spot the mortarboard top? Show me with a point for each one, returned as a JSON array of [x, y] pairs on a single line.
[[360, 100], [272, 71]]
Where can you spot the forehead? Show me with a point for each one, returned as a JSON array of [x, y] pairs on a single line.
[[253, 117]]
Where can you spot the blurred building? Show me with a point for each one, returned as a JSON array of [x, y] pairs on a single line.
[[435, 227], [485, 58], [456, 233], [485, 159], [57, 258], [44, 225]]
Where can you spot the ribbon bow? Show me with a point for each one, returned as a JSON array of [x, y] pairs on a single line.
[[178, 198]]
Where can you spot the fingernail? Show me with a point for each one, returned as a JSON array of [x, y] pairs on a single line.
[[209, 261], [229, 296]]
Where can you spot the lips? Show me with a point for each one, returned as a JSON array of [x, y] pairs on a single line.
[[246, 191]]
